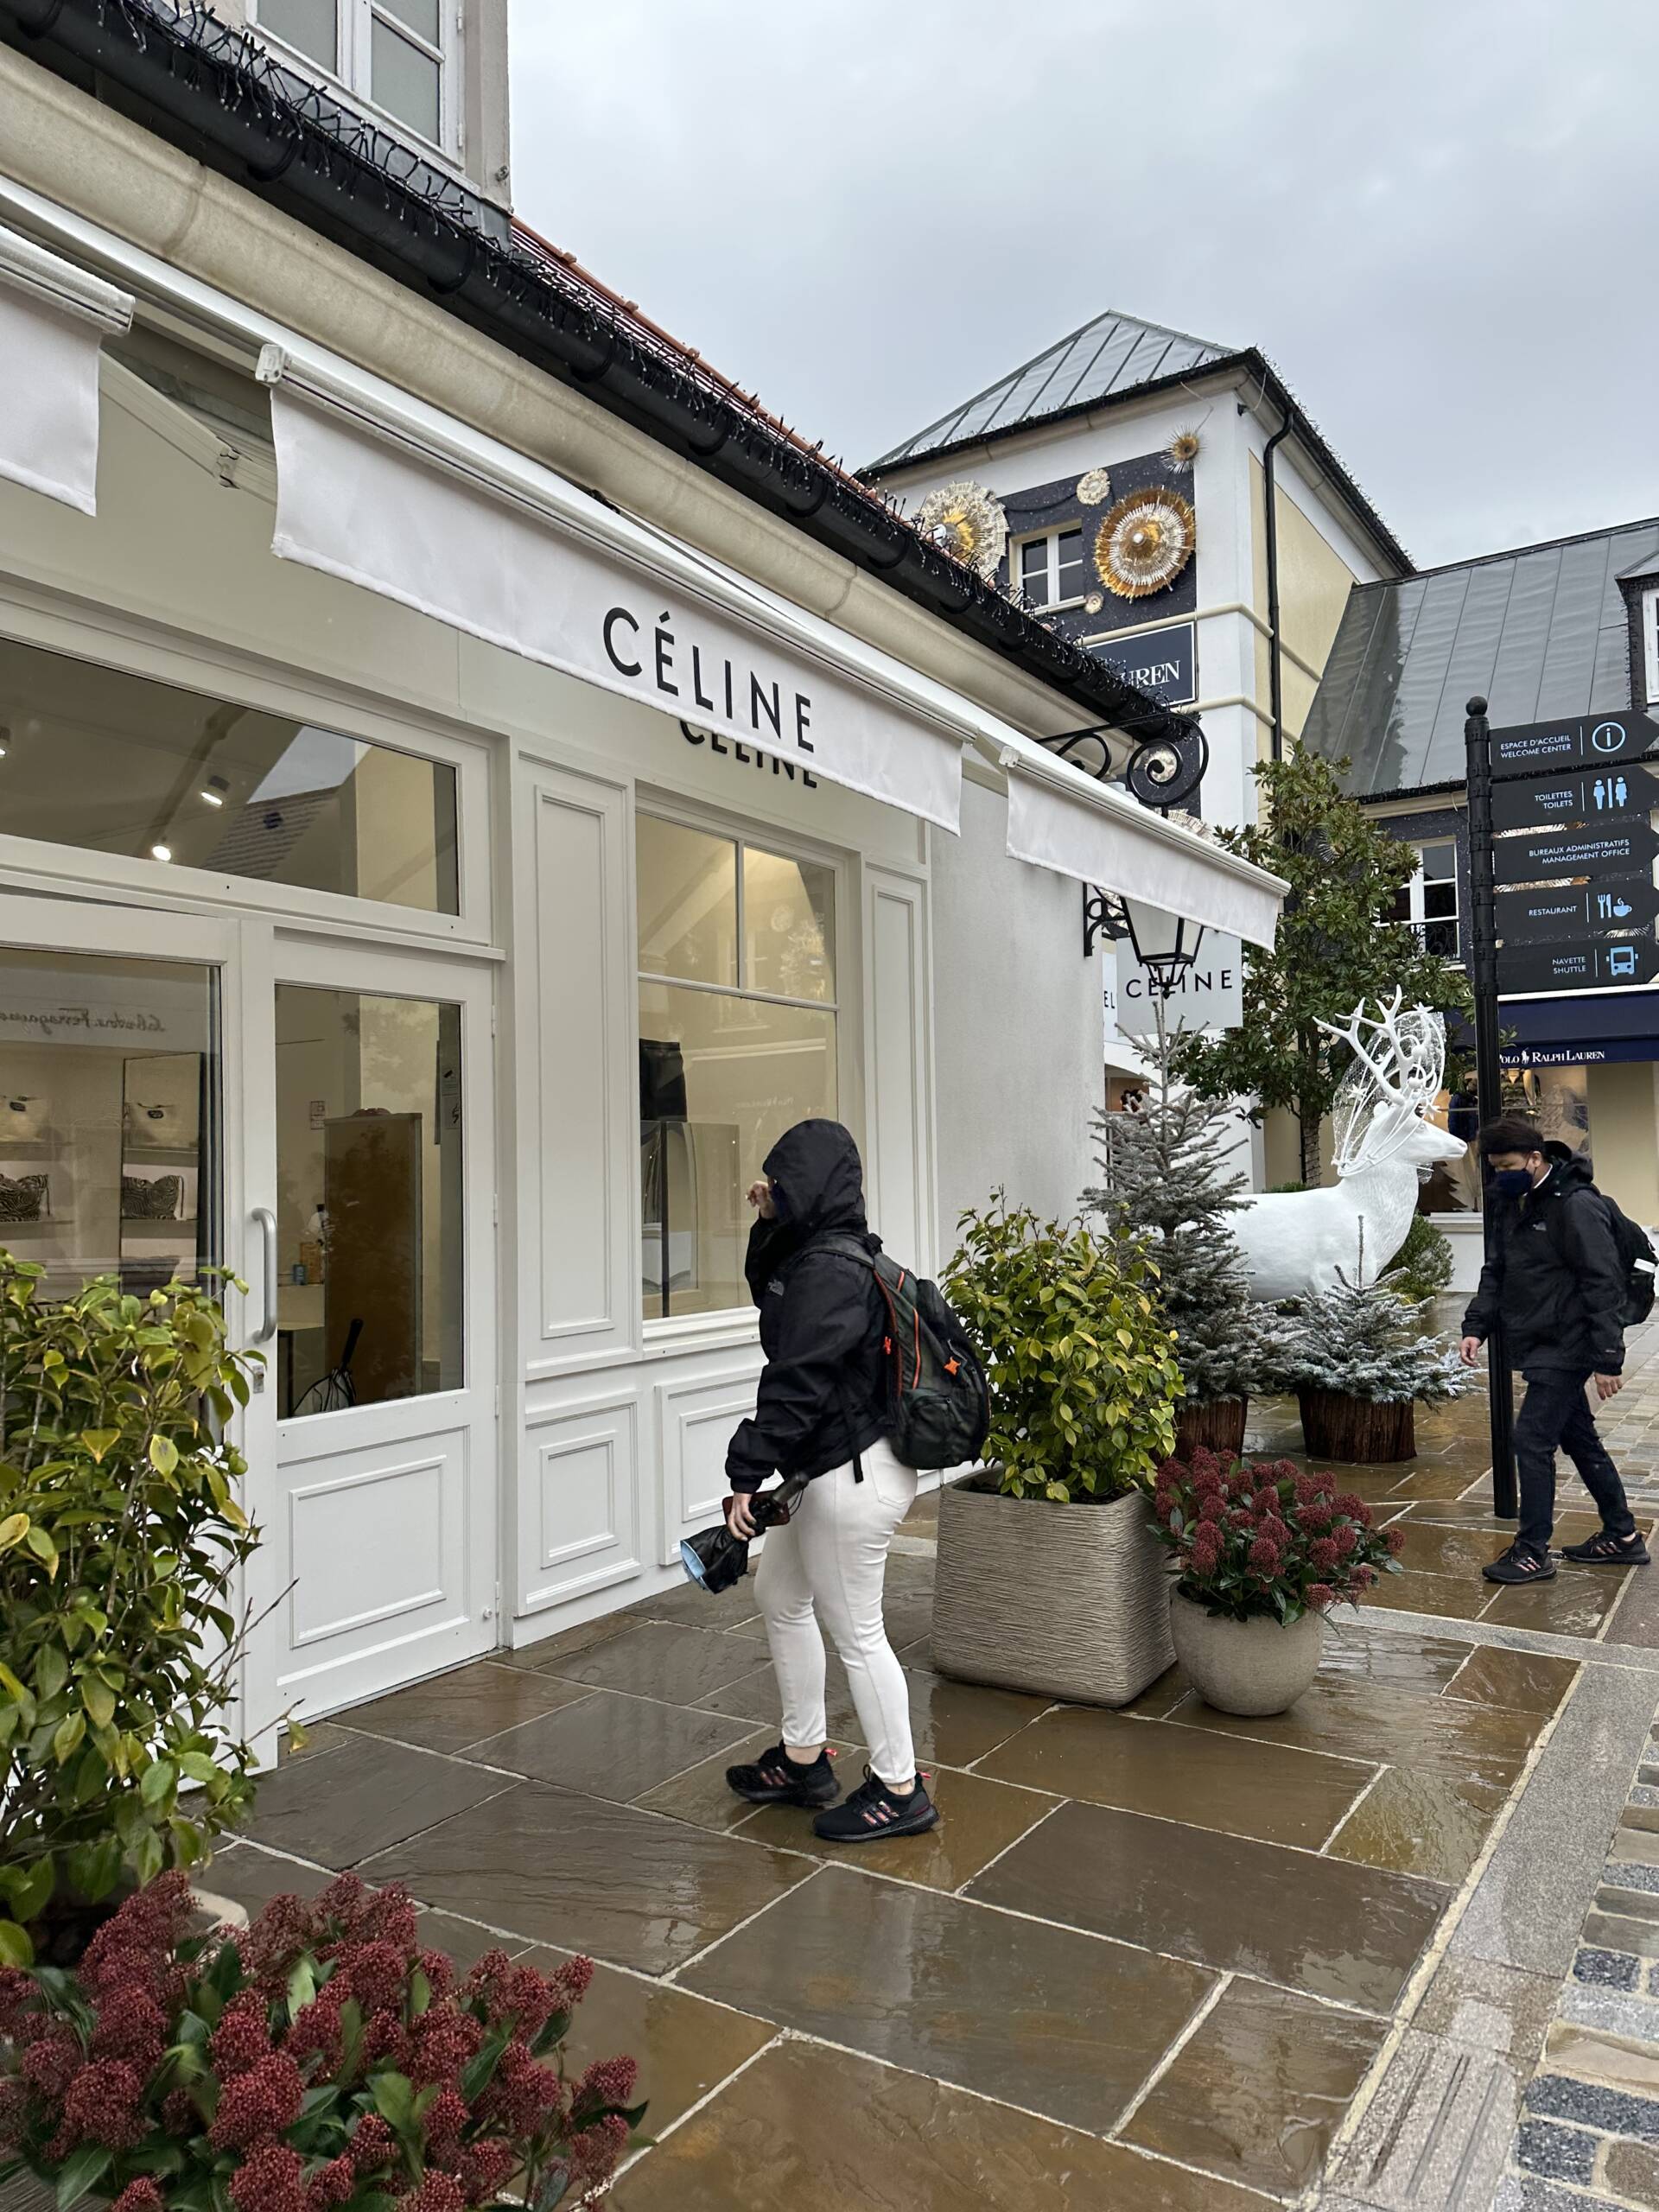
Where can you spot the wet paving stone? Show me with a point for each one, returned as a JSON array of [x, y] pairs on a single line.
[[452, 1711], [685, 2046], [1522, 1681], [344, 1805], [1436, 2136], [608, 1745], [1430, 1735], [1258, 2092], [1595, 2055], [1065, 2026], [1490, 2007], [252, 1877], [1426, 1824], [577, 1873], [1620, 1932], [1575, 1603], [953, 1722], [464, 1942], [977, 1819], [1429, 1548], [1321, 1925], [827, 2132], [697, 1608], [1447, 1597], [662, 1659], [1263, 1791], [566, 1643], [1358, 1648]]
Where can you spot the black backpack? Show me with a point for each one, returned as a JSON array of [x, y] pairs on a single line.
[[1637, 1262], [938, 1405]]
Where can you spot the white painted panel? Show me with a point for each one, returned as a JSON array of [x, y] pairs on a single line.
[[695, 1415], [899, 1166], [366, 1546], [576, 1057], [581, 1499]]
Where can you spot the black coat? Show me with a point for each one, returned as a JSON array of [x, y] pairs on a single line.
[[822, 1394], [1554, 1277]]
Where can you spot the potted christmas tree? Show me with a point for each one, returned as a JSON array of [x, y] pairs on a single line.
[[1361, 1365], [1170, 1183]]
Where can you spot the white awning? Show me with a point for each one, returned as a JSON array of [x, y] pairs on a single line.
[[53, 320], [1059, 819], [508, 552]]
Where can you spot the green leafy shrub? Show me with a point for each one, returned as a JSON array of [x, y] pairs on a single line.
[[120, 1540], [1081, 1365], [1422, 1265]]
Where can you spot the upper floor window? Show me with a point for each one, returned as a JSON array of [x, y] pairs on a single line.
[[1429, 902], [394, 54], [1050, 567], [1650, 641]]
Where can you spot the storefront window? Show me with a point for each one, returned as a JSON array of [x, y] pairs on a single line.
[[115, 764], [1556, 1098], [737, 1042]]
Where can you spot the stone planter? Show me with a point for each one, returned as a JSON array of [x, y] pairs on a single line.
[[1216, 1426], [1253, 1666], [1337, 1426], [1067, 1600]]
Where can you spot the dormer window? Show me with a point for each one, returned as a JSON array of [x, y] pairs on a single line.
[[1051, 569], [394, 55]]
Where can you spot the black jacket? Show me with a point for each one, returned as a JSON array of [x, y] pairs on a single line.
[[1554, 1277], [822, 1394]]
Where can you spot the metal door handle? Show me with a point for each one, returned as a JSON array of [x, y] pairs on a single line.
[[267, 1222]]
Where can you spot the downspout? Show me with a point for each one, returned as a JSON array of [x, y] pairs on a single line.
[[1276, 671]]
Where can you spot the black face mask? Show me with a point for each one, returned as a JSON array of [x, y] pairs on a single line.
[[1512, 1182]]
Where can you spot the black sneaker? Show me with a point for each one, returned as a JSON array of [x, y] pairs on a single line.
[[1605, 1549], [874, 1811], [1518, 1566], [777, 1779]]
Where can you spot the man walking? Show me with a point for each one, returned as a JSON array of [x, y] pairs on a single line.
[[1555, 1279]]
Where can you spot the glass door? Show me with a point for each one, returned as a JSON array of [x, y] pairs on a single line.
[[383, 1357]]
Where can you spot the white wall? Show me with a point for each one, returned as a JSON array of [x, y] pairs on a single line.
[[1018, 1024]]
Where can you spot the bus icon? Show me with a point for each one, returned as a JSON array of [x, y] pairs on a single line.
[[1621, 960]]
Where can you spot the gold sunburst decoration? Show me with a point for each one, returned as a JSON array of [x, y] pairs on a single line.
[[1145, 542], [1184, 448], [963, 520], [1094, 487]]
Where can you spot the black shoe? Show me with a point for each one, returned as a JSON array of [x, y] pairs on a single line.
[[874, 1811], [1605, 1549], [1517, 1566], [777, 1779]]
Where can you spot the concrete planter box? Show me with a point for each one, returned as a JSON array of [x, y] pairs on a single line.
[[1070, 1601]]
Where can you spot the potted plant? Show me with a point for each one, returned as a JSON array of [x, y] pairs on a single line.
[[120, 1543], [322, 2059], [1360, 1366], [1262, 1554], [1169, 1182], [1048, 1574]]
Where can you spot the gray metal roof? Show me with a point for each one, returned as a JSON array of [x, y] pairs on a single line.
[[1540, 632], [1113, 354]]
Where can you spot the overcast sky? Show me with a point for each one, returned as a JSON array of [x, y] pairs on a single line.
[[1436, 217]]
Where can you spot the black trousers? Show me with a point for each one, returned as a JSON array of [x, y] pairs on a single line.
[[1556, 1416]]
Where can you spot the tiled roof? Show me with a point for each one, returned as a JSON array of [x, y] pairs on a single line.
[[1113, 354], [1538, 632]]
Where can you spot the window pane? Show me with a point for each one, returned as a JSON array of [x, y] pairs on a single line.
[[309, 26], [421, 15], [109, 1109], [403, 80], [369, 1198], [1440, 899], [1400, 910], [688, 902], [788, 926], [115, 764], [1439, 860], [721, 1079], [1070, 580], [1034, 564], [1071, 543], [1440, 939]]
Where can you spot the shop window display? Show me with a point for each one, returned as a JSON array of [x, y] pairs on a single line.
[[738, 1039]]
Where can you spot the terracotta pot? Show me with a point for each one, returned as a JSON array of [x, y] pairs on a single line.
[[1254, 1667], [1218, 1426], [1337, 1426], [1067, 1600]]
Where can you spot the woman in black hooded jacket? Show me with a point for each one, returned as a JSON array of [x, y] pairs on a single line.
[[821, 1411]]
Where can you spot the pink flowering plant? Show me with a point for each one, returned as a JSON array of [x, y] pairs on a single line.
[[322, 2059], [1258, 1539]]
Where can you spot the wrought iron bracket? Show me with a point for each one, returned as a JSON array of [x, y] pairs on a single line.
[[1162, 772], [1103, 916]]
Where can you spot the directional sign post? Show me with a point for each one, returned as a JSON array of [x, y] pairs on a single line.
[[1489, 1081], [1613, 794], [1532, 748], [1598, 964], [1595, 850], [1546, 916]]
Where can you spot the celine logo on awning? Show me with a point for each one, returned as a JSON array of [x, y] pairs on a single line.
[[716, 685], [747, 756]]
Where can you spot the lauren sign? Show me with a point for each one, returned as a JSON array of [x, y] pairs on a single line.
[[1210, 995]]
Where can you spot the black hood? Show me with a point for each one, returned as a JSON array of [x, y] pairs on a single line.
[[1568, 1170], [818, 1179]]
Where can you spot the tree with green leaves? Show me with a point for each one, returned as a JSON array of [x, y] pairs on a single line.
[[1335, 946]]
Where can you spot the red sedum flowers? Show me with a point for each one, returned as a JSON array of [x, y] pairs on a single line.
[[1261, 1539], [322, 2062]]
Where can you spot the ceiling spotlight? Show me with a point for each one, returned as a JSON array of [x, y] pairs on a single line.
[[211, 799], [215, 793], [161, 852]]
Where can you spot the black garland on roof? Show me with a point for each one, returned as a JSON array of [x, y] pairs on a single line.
[[215, 93]]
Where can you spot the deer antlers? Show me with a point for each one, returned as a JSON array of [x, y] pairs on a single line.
[[1408, 1068]]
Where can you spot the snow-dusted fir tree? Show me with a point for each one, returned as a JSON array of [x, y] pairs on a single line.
[[1168, 1180], [1369, 1344]]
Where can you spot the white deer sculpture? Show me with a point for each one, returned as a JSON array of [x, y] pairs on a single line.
[[1295, 1241]]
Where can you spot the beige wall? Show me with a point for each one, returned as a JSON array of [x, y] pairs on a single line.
[[1624, 1102], [1313, 585]]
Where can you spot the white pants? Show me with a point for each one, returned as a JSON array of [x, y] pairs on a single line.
[[830, 1559]]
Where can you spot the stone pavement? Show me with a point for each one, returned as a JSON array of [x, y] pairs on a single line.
[[1161, 1960]]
